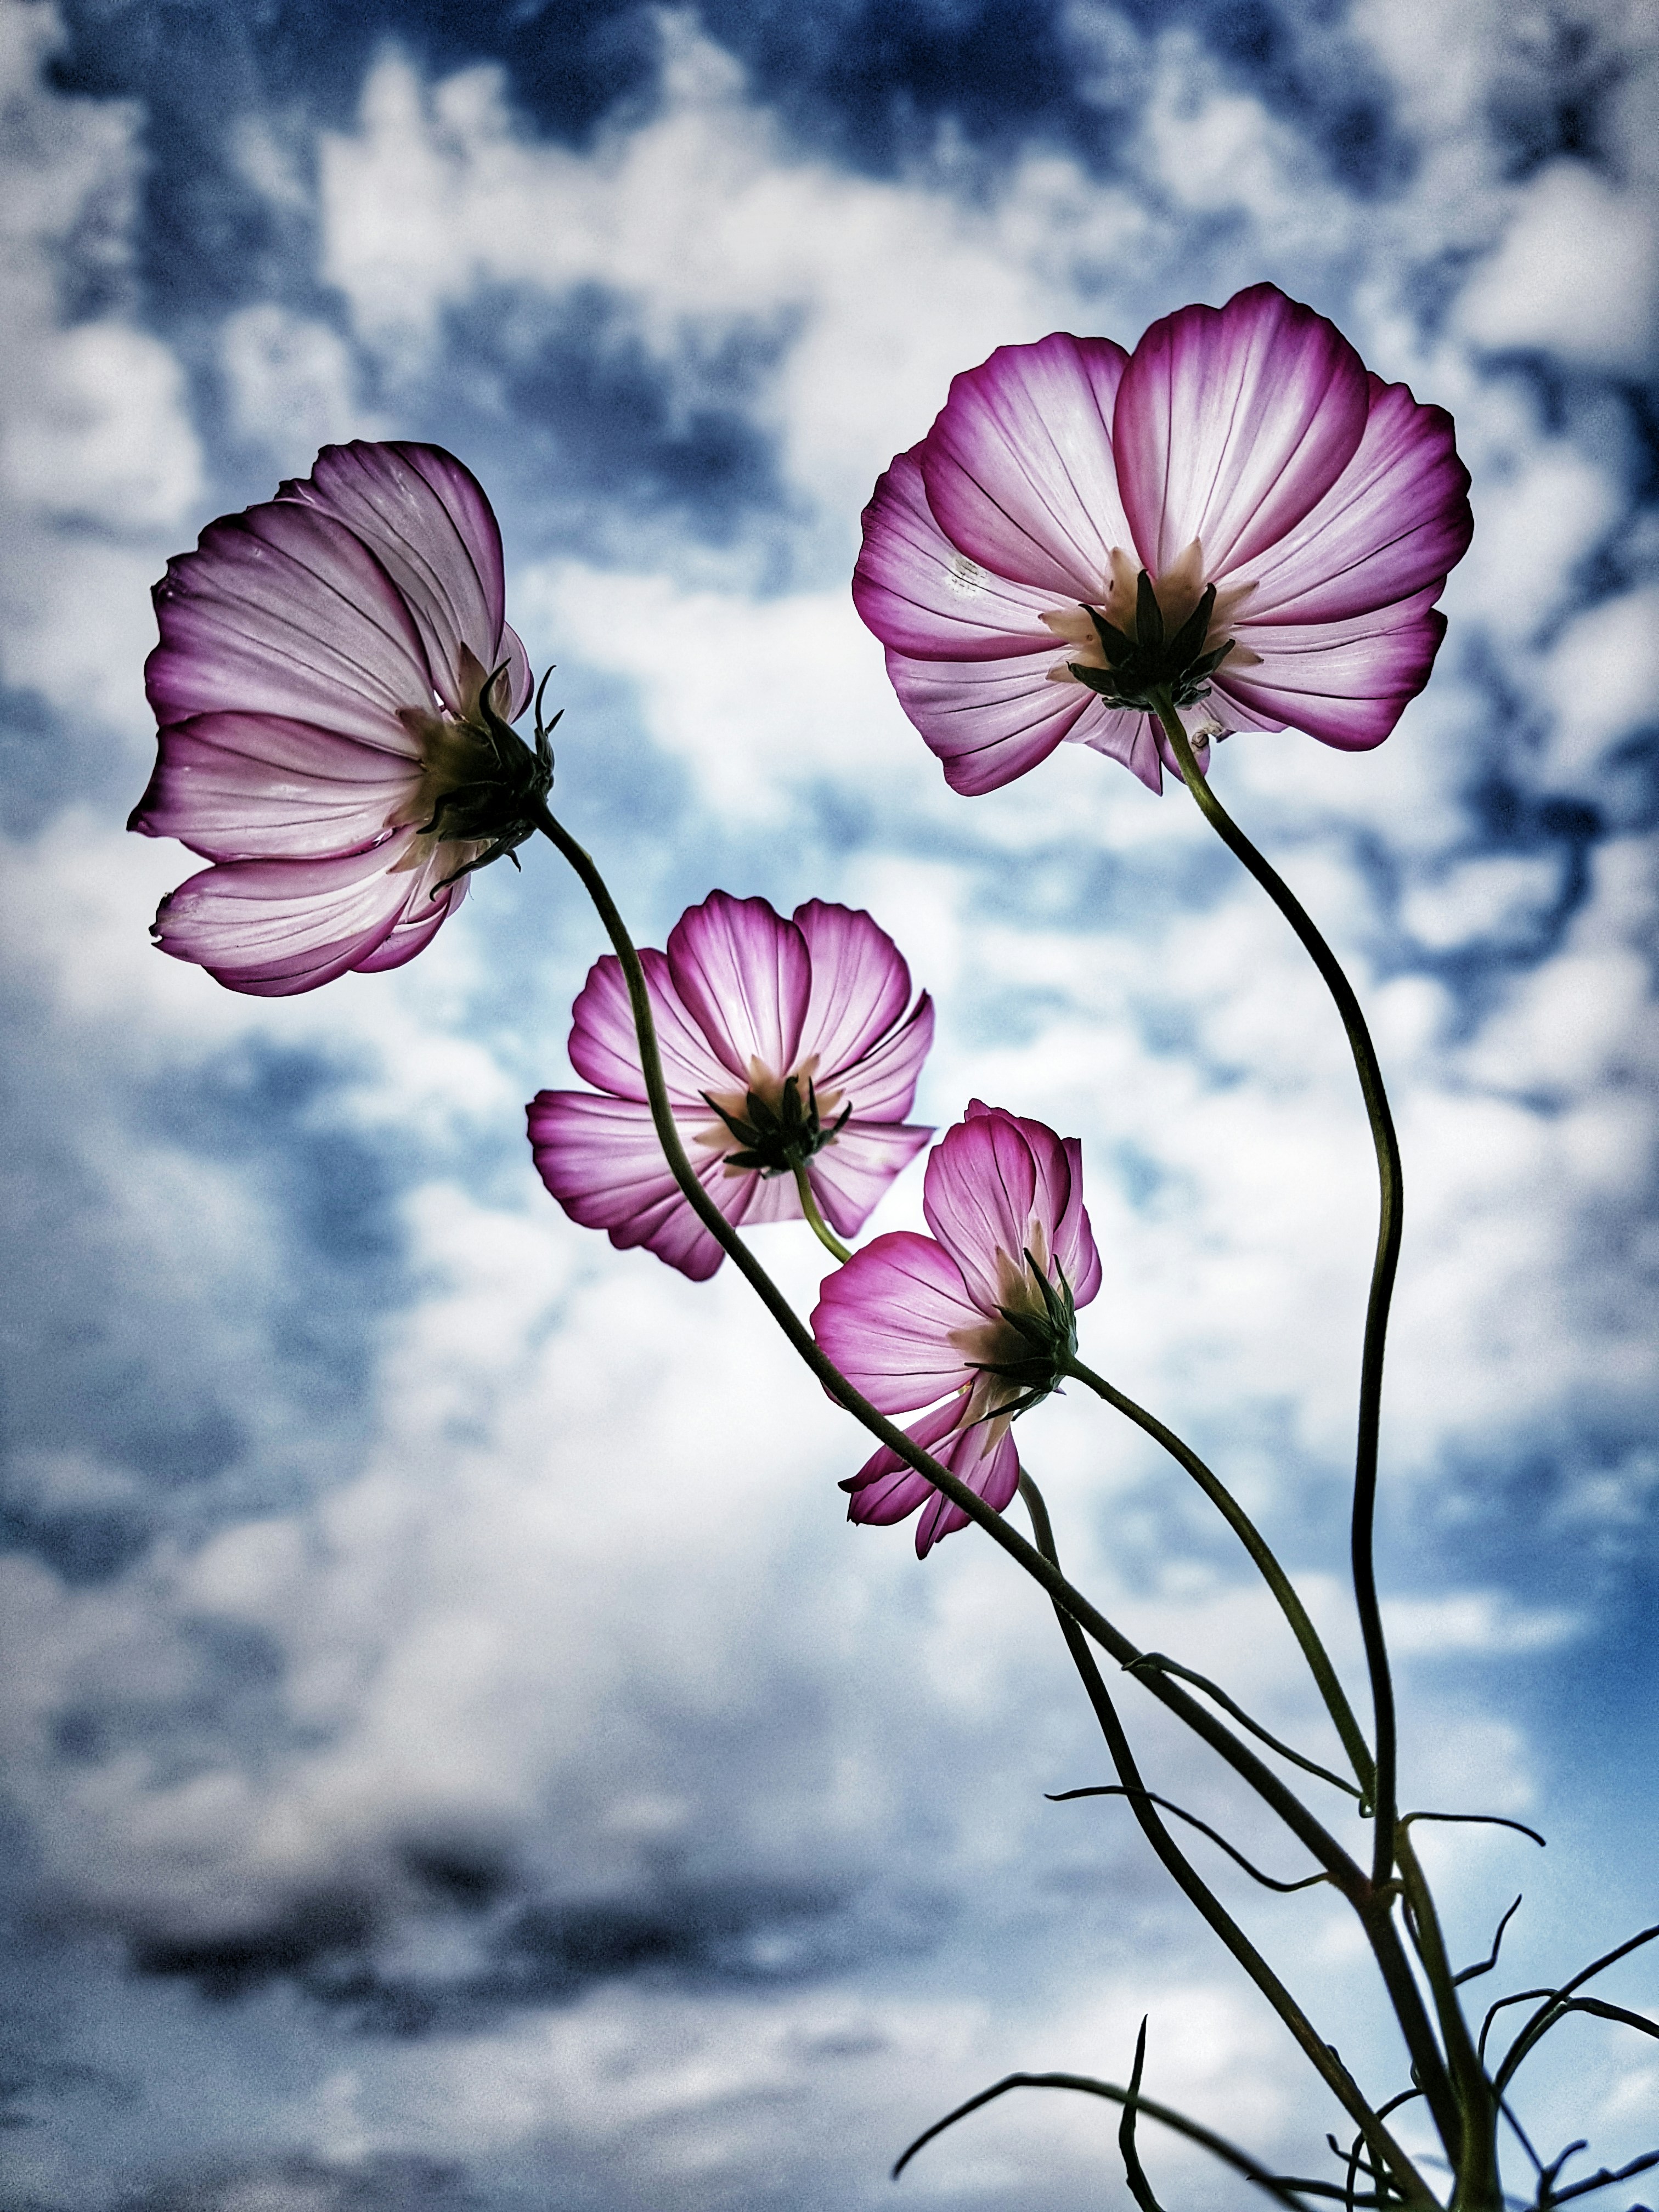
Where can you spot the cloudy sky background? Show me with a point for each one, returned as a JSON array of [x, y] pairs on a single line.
[[456, 1754]]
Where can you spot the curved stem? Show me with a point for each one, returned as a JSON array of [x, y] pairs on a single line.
[[1384, 1269], [1318, 1659], [1349, 1878], [1144, 1806], [1372, 1906], [1286, 2189], [814, 1221]]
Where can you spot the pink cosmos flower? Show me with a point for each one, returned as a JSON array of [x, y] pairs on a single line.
[[981, 1316], [329, 735], [1296, 519], [783, 1042]]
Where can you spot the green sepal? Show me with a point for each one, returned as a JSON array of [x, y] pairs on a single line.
[[1148, 666]]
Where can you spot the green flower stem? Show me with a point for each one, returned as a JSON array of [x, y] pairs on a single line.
[[1373, 1907], [814, 1221], [1284, 2188], [1318, 1659], [1348, 1876], [1384, 2149], [1386, 1261], [1477, 2185]]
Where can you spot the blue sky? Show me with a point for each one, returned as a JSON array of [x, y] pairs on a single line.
[[456, 1754]]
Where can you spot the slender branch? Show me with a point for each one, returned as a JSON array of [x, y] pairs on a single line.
[[1478, 1819], [1386, 1264], [1349, 1877], [1117, 1789], [814, 1221], [1285, 2190], [1318, 1659], [1371, 1904], [1142, 1804], [1476, 2157], [1161, 1662], [1601, 2180], [1484, 1965], [1554, 2009], [1134, 2172]]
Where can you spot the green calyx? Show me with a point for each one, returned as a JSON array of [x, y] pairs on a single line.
[[1149, 666], [500, 803], [777, 1139], [1048, 1334]]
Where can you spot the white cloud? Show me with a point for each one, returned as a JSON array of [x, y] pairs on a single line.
[[582, 1592], [1577, 274]]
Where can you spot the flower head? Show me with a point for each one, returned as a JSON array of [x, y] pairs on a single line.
[[980, 1316], [784, 1044], [1238, 511], [333, 687]]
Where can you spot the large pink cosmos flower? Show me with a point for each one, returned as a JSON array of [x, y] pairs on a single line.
[[980, 1316], [1244, 452], [329, 735], [782, 1043]]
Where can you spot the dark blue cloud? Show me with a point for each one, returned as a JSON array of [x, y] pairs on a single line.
[[110, 1364], [527, 1952], [586, 436], [384, 2182]]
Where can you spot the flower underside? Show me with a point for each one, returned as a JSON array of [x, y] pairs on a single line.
[[1033, 1345], [776, 1139], [1150, 665], [481, 784]]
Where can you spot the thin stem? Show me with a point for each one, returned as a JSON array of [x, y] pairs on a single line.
[[1348, 1876], [1372, 1906], [1318, 1659], [1143, 1807], [814, 1221], [1278, 2186], [1476, 2158], [1191, 1820], [1390, 1183], [1160, 1661]]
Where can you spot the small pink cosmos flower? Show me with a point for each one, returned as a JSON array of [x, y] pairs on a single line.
[[980, 1316], [783, 1042], [1296, 519], [329, 737]]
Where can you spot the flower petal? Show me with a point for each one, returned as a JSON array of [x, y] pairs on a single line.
[[920, 592], [886, 1318], [605, 1050], [249, 787], [860, 985], [989, 722], [886, 1489], [854, 1168], [424, 516], [1396, 521], [1018, 467], [1057, 1204], [281, 610], [882, 1084], [980, 1197], [601, 1159], [274, 927], [430, 903], [1230, 424], [744, 976], [1346, 683]]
